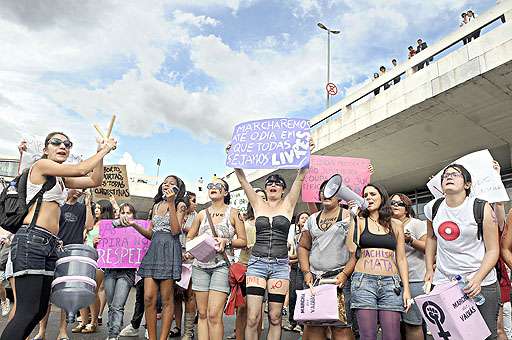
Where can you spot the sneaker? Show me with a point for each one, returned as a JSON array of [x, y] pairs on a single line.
[[297, 329], [129, 331], [146, 334], [6, 307]]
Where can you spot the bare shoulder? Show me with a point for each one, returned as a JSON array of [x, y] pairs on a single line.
[[397, 225]]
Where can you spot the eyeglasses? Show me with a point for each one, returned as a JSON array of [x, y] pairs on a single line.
[[57, 142], [397, 203], [193, 201], [217, 186], [451, 175], [275, 182]]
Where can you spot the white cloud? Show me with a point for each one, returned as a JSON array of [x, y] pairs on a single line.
[[83, 42], [132, 167], [183, 18]]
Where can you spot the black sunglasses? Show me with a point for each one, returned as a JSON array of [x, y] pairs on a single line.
[[397, 203], [57, 142], [274, 181]]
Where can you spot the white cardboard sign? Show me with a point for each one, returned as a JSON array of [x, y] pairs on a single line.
[[487, 184]]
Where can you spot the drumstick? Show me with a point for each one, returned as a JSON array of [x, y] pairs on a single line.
[[110, 126], [99, 131]]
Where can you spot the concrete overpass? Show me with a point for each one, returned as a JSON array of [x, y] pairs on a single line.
[[461, 102]]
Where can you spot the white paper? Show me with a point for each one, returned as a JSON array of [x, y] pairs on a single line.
[[486, 182]]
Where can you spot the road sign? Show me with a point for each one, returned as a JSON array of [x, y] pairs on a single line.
[[331, 89]]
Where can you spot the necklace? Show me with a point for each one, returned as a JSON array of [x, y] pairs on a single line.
[[325, 222], [376, 222]]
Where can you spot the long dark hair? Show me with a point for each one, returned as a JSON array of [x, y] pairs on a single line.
[[227, 198], [179, 196], [385, 212], [50, 136], [186, 198], [249, 215], [107, 211]]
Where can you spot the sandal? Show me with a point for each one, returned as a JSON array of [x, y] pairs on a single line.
[[89, 328], [175, 332], [78, 328]]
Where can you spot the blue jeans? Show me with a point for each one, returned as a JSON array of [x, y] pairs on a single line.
[[118, 283], [268, 268]]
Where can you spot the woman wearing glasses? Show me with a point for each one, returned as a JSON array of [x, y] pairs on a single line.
[[415, 236], [210, 279], [161, 266], [268, 268], [34, 246], [459, 246]]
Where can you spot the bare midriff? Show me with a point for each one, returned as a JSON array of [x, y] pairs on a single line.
[[377, 261], [48, 218]]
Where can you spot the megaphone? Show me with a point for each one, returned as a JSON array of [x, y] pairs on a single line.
[[335, 187]]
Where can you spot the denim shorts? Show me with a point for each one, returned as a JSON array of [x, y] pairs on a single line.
[[268, 268], [413, 316], [376, 292], [34, 251], [206, 279]]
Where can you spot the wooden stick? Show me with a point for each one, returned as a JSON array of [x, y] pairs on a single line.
[[110, 126], [99, 131]]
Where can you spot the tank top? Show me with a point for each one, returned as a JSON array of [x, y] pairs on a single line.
[[56, 194], [161, 222], [224, 229], [272, 237], [328, 248], [91, 234], [370, 240]]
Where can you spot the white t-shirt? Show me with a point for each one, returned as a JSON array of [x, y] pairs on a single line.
[[415, 259], [459, 251]]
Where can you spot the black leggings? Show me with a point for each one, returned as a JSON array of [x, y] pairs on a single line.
[[32, 298]]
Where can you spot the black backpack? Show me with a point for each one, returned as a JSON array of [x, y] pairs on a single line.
[[478, 212], [13, 203]]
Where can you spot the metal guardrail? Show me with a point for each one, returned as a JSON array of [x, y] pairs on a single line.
[[409, 67]]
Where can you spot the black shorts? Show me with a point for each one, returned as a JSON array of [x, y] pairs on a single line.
[[34, 252]]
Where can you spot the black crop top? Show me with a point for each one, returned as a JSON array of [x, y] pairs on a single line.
[[369, 240], [271, 240]]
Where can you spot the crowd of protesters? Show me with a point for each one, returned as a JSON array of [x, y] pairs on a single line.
[[380, 256]]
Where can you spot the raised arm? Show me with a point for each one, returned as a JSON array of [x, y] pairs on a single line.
[[89, 217], [293, 195], [252, 196], [76, 175]]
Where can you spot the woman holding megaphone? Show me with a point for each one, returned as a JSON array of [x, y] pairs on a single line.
[[268, 268], [34, 245]]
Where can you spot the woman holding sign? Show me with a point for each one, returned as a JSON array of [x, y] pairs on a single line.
[[380, 282], [210, 279], [34, 245], [268, 268], [161, 266]]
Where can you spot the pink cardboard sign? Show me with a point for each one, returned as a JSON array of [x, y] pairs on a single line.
[[121, 247], [354, 171], [451, 314]]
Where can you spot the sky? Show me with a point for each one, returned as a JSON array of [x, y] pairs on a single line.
[[179, 74]]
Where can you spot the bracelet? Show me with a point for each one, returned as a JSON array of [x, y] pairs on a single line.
[[343, 272]]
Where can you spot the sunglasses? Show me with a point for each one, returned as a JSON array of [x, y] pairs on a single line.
[[397, 204], [275, 182], [217, 186], [57, 142]]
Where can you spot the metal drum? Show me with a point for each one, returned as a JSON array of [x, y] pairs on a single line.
[[74, 285]]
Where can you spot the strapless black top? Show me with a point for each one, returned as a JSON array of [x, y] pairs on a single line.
[[271, 239]]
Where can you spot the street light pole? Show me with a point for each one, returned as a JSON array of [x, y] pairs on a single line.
[[329, 31]]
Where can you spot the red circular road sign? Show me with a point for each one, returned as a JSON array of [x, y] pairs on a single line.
[[331, 89]]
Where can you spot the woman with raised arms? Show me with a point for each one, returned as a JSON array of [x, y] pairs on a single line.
[[268, 268]]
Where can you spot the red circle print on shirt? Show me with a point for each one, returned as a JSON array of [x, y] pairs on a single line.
[[449, 230]]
